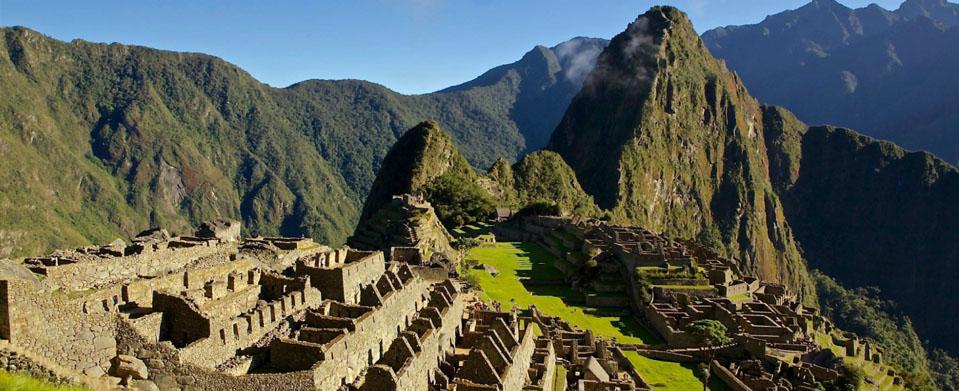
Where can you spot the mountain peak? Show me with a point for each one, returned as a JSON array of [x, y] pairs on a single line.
[[422, 153], [664, 136], [939, 10]]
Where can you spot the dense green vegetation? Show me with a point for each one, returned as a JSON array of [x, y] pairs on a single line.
[[102, 140], [425, 161], [893, 223], [543, 177], [459, 201], [861, 311]]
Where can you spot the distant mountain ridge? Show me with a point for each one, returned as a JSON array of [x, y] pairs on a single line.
[[101, 140], [548, 78], [890, 74]]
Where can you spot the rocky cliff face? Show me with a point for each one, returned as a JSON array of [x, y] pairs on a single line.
[[872, 214], [667, 138]]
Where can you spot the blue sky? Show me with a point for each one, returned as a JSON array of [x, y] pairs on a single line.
[[411, 46]]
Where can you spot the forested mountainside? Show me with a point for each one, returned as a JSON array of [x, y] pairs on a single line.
[[101, 139], [869, 213], [889, 74], [667, 138], [425, 161]]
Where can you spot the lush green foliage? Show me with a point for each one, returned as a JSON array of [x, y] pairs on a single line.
[[540, 208], [542, 176], [709, 332], [861, 311], [945, 370], [102, 141], [459, 201], [466, 244], [893, 223]]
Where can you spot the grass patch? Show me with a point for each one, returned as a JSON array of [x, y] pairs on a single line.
[[740, 297], [559, 383], [519, 265], [20, 382], [475, 230], [670, 376]]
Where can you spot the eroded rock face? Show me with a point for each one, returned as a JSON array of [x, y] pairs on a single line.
[[125, 367]]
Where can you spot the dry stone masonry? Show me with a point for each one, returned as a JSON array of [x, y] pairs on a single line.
[[214, 311]]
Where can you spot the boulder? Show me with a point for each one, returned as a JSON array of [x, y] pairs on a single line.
[[125, 366]]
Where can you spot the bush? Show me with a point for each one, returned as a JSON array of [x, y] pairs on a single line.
[[458, 201], [851, 377], [540, 208], [465, 244]]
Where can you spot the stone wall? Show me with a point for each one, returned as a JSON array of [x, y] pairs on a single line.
[[516, 374], [433, 344], [347, 358], [241, 331], [345, 282], [169, 373], [107, 271], [52, 326], [728, 377]]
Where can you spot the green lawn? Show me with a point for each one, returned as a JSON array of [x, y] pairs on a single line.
[[665, 375], [19, 382], [517, 263], [472, 230]]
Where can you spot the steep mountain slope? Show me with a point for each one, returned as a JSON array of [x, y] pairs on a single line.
[[102, 140], [425, 162], [543, 82], [420, 161], [871, 214], [667, 138], [887, 73], [542, 176]]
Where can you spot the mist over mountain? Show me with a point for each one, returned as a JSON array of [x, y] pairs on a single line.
[[543, 82], [889, 74]]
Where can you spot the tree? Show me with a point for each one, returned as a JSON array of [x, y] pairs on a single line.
[[710, 334]]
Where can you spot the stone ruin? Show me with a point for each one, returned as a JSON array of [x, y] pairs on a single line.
[[764, 320], [216, 311]]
